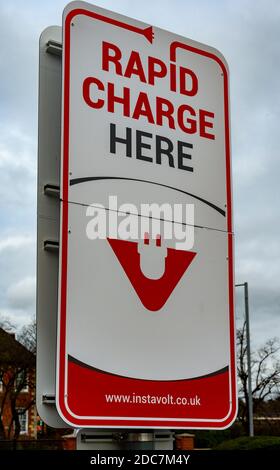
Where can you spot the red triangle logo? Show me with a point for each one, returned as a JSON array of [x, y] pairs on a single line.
[[153, 293]]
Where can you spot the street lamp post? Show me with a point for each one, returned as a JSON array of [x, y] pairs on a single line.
[[250, 398]]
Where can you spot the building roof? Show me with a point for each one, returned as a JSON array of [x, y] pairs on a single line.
[[14, 353]]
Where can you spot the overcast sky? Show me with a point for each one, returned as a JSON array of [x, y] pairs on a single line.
[[247, 33]]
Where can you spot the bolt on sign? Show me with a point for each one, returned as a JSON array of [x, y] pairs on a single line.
[[146, 320]]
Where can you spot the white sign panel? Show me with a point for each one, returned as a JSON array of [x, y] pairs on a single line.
[[146, 320]]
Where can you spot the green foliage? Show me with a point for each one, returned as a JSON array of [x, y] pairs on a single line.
[[210, 439], [251, 443]]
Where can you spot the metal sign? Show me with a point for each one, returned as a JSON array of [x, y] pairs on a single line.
[[146, 319], [49, 127]]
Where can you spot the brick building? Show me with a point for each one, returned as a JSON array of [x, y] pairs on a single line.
[[18, 415]]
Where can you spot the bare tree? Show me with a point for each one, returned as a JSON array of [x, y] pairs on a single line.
[[17, 373], [15, 380], [7, 324], [265, 366], [27, 336]]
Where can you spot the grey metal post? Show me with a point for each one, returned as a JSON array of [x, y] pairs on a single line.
[[124, 439], [250, 398]]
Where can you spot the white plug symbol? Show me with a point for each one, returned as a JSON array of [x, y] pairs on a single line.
[[152, 257]]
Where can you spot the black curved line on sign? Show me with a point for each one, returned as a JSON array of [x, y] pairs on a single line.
[[97, 178], [87, 366]]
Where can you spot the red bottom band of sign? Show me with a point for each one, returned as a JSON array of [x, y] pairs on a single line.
[[93, 394]]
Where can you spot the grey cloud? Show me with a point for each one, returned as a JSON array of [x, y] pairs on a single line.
[[22, 294], [17, 267]]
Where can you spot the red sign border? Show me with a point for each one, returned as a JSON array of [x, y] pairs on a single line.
[[60, 386]]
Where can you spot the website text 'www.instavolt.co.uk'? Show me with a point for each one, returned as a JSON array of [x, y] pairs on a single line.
[[134, 399]]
